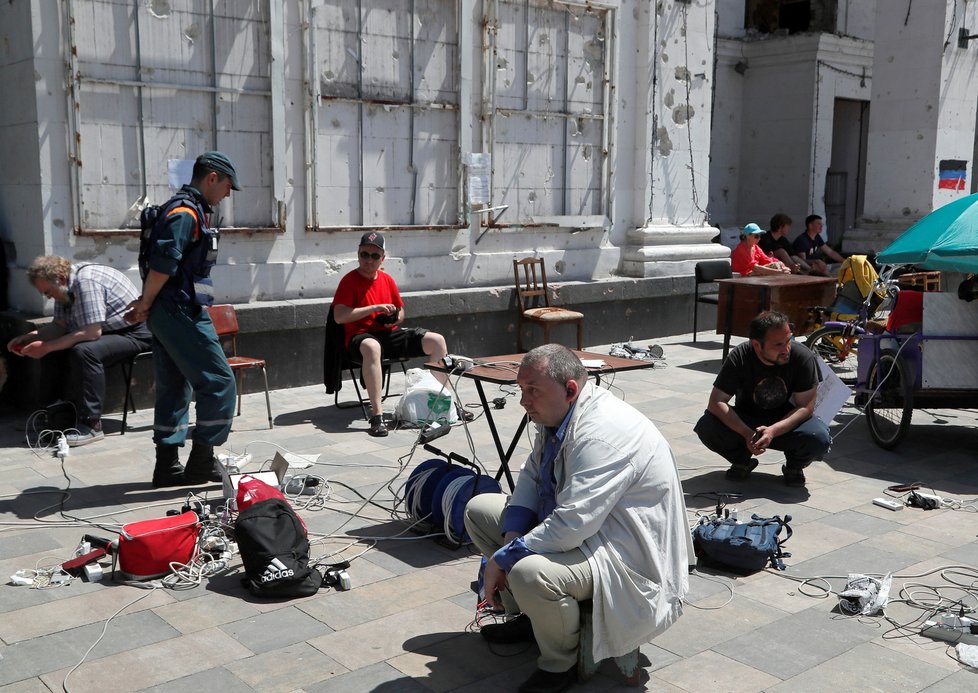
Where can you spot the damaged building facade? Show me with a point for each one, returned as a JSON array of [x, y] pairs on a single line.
[[610, 138]]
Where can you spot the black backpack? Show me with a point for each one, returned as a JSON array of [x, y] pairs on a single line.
[[193, 276], [275, 551]]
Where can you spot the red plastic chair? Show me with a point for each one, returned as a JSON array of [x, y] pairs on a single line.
[[226, 325]]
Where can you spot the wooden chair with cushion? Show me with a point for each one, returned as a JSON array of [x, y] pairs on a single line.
[[707, 272], [533, 297], [226, 325]]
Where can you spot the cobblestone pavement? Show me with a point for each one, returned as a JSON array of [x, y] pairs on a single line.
[[406, 623]]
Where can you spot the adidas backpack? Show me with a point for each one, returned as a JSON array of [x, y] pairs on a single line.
[[275, 551]]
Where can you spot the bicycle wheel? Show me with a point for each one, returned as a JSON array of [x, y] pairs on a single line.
[[837, 349], [888, 411]]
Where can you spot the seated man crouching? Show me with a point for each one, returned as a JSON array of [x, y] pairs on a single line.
[[597, 513], [775, 382], [90, 302]]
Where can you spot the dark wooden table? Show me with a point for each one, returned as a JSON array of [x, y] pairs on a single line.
[[741, 299], [501, 370]]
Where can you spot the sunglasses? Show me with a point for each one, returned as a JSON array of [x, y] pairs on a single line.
[[371, 256]]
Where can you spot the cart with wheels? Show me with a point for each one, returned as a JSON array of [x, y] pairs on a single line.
[[900, 371]]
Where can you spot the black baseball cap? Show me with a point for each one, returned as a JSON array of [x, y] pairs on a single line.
[[219, 162], [373, 238]]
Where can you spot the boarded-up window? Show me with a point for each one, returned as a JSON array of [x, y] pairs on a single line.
[[386, 150], [168, 80], [548, 90]]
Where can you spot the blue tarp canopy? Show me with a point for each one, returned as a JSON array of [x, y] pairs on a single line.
[[946, 239]]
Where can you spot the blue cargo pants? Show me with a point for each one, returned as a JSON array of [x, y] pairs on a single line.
[[188, 360]]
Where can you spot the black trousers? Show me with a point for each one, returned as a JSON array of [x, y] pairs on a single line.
[[87, 362]]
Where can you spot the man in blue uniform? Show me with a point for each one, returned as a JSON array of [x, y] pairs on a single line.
[[175, 260]]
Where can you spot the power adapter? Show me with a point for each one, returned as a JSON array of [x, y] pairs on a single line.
[[458, 363], [498, 402]]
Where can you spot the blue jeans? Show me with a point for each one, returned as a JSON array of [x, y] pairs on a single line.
[[808, 442]]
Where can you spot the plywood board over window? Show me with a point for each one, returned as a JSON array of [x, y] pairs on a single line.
[[547, 85], [159, 81], [384, 151]]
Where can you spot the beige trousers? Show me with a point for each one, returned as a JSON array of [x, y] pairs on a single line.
[[545, 587]]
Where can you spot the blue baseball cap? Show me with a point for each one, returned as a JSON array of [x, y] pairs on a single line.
[[219, 162], [753, 229]]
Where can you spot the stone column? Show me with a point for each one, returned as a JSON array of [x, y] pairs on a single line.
[[672, 169], [922, 113]]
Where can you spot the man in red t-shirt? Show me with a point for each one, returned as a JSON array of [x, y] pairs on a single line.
[[369, 306]]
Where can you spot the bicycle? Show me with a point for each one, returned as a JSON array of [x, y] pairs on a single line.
[[837, 341]]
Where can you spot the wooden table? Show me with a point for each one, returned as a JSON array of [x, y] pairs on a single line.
[[501, 370], [741, 299]]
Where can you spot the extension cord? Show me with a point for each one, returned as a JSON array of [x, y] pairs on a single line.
[[63, 449], [433, 431]]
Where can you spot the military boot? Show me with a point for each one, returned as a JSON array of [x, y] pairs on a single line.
[[168, 470], [202, 466]]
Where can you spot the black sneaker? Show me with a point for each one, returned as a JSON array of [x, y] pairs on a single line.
[[512, 631], [549, 681], [740, 472], [378, 429], [793, 477]]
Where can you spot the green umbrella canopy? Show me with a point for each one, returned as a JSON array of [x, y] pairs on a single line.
[[945, 239]]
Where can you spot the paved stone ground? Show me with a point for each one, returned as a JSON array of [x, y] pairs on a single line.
[[405, 625]]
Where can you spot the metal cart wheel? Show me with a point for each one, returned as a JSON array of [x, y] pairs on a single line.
[[888, 411], [837, 349]]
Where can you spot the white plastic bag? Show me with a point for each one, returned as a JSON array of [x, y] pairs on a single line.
[[425, 400]]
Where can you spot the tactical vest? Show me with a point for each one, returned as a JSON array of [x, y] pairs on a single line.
[[192, 283]]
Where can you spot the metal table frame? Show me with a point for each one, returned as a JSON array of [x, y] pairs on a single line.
[[501, 370]]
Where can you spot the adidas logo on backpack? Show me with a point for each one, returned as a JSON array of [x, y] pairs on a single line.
[[276, 570]]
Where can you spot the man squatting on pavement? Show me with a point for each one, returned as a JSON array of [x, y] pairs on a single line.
[[597, 513], [187, 356], [775, 382]]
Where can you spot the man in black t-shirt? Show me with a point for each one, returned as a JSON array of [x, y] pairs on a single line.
[[775, 382], [776, 244]]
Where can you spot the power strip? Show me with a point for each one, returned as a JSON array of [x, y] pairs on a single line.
[[888, 503], [954, 634]]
